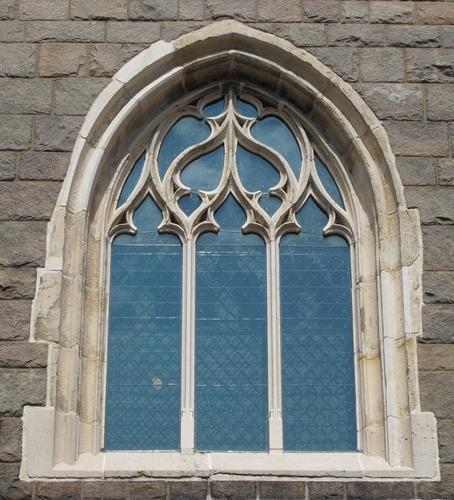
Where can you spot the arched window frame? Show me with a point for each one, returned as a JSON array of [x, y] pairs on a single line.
[[397, 440]]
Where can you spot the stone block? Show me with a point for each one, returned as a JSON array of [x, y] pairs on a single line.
[[382, 65], [448, 36], [241, 10], [191, 10], [65, 31], [436, 357], [153, 10], [440, 102], [20, 387], [62, 59], [10, 487], [437, 392], [436, 205], [380, 490], [430, 66], [17, 354], [37, 166], [327, 11], [17, 284], [153, 490], [7, 9], [11, 31], [172, 30], [355, 11], [10, 439], [18, 60], [393, 101], [392, 12], [56, 133], [446, 171], [438, 287], [269, 490], [23, 243], [133, 32], [107, 59], [23, 200], [438, 248], [342, 35], [14, 319], [240, 490], [287, 11], [417, 171], [15, 96], [43, 10], [74, 96], [413, 36], [435, 13], [344, 61], [15, 132], [446, 440], [323, 490], [438, 323], [302, 35], [8, 162], [99, 10], [418, 138], [437, 489], [100, 490], [61, 490], [188, 490]]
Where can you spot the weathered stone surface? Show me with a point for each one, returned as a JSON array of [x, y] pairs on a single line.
[[355, 11], [153, 10], [20, 387], [23, 243], [7, 9], [436, 357], [10, 439], [10, 487], [15, 132], [382, 65], [438, 323], [380, 490], [302, 35], [269, 490], [418, 138], [437, 392], [344, 61], [16, 354], [18, 59], [62, 490], [154, 490], [417, 171], [438, 287], [436, 205], [17, 283], [43, 166], [74, 96], [435, 13], [32, 10], [241, 10], [448, 36], [15, 319], [327, 11], [56, 133], [15, 96], [188, 490], [133, 32], [11, 31], [288, 11], [27, 200], [342, 35], [172, 30], [394, 101], [105, 60], [65, 31], [62, 59], [100, 490], [8, 162], [438, 489], [101, 9], [392, 12], [446, 440], [430, 66], [446, 171], [413, 36], [440, 102], [241, 490], [438, 248], [323, 490], [191, 10]]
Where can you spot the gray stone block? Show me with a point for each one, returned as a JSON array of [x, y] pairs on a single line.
[[20, 387], [382, 65], [10, 487], [241, 10], [24, 200], [448, 36], [342, 35], [413, 36], [430, 66], [417, 171], [153, 490], [16, 354], [8, 162], [61, 490], [380, 490], [436, 205], [437, 392], [344, 61], [392, 12], [438, 489], [99, 10], [438, 323], [74, 96], [25, 96], [133, 32], [15, 132], [436, 357], [240, 490], [287, 11], [355, 11], [325, 490], [43, 10], [15, 319], [56, 133], [23, 243], [99, 490], [446, 171], [327, 11], [438, 248], [435, 13], [188, 490], [191, 10], [105, 60], [65, 31], [63, 59], [302, 35], [12, 31], [17, 283], [290, 490], [446, 440], [18, 59], [7, 9], [43, 166], [10, 439], [172, 30], [418, 138], [153, 10], [440, 102], [438, 287]]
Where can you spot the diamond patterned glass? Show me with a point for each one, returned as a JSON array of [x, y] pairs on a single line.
[[144, 347], [231, 351], [318, 389], [131, 181]]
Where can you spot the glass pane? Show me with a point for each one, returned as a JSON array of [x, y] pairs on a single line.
[[185, 133], [256, 174], [275, 133], [318, 389], [231, 352], [214, 109], [143, 366], [328, 181], [246, 109], [205, 172], [132, 180]]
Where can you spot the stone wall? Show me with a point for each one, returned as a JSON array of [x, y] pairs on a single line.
[[55, 58]]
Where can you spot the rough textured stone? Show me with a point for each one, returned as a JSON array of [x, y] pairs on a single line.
[[18, 59], [413, 36], [380, 490], [62, 59], [191, 10], [325, 490], [435, 13], [342, 35], [7, 9], [23, 243], [27, 200], [241, 10], [132, 32], [43, 166], [382, 65], [15, 132], [67, 490], [153, 10], [438, 323], [100, 490], [11, 31], [33, 10], [446, 171], [188, 490], [302, 35], [392, 12], [100, 9], [172, 30], [315, 11], [10, 439], [153, 490], [105, 60], [437, 286], [440, 102], [56, 133], [279, 11], [8, 162], [355, 11], [16, 354], [436, 357], [17, 283], [14, 319], [65, 31], [344, 61], [15, 96], [438, 489], [269, 490], [417, 171], [436, 205], [436, 389], [448, 36], [430, 66], [10, 487], [446, 440], [438, 248], [74, 96], [20, 387], [393, 101], [418, 138], [241, 490]]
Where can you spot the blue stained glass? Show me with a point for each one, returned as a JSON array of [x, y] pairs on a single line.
[[256, 174], [204, 173], [143, 368], [318, 389], [231, 350], [185, 133], [246, 109], [132, 180], [274, 133], [328, 181], [214, 109]]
